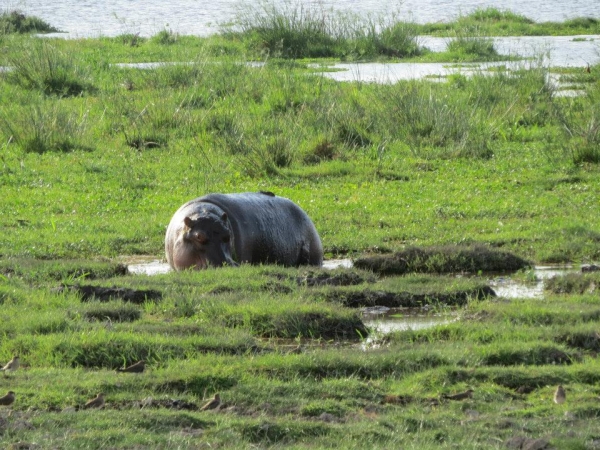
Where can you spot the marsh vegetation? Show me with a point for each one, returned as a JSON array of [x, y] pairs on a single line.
[[436, 183]]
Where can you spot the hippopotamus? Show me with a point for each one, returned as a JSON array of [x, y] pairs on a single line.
[[231, 229]]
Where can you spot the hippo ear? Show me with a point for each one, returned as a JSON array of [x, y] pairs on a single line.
[[224, 217], [188, 222]]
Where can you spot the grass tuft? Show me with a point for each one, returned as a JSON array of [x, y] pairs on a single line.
[[17, 22], [295, 30], [44, 128], [443, 259], [41, 66]]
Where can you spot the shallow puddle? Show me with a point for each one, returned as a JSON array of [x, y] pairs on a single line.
[[152, 266], [503, 285], [548, 51], [554, 51], [402, 319], [383, 321], [147, 266], [506, 287]]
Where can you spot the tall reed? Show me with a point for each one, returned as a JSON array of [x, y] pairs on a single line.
[[295, 30], [40, 66]]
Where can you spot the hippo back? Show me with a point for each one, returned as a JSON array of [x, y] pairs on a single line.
[[269, 229]]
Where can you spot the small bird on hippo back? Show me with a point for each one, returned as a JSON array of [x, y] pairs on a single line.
[[246, 228]]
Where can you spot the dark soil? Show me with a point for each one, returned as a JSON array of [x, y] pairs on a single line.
[[104, 294]]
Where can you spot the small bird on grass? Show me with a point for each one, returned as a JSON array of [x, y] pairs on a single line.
[[212, 404], [560, 395], [8, 399], [461, 396], [97, 402], [525, 389], [137, 367], [12, 365]]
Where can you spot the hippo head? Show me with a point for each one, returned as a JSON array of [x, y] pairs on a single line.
[[206, 240]]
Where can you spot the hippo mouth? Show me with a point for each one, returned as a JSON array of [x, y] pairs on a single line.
[[201, 264]]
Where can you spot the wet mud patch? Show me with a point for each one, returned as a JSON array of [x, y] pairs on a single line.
[[334, 278], [105, 294], [369, 298], [326, 277], [443, 259]]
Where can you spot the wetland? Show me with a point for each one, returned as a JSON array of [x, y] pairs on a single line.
[[458, 214]]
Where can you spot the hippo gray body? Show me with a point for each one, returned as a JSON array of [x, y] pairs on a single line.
[[252, 228]]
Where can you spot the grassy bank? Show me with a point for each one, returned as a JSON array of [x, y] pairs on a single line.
[[417, 180], [502, 22]]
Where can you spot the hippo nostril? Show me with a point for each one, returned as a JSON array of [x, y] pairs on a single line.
[[201, 238]]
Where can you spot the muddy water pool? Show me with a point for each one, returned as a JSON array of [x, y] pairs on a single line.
[[382, 320], [152, 266]]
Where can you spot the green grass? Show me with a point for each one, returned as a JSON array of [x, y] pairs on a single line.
[[504, 134], [319, 398], [450, 177], [300, 31], [501, 22], [41, 66]]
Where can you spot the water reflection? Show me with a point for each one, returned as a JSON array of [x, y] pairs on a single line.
[[147, 266], [146, 18], [402, 319], [383, 321], [564, 51], [546, 51], [152, 266], [543, 51], [506, 287]]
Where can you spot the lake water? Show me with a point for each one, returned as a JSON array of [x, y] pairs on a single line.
[[93, 18], [550, 51]]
